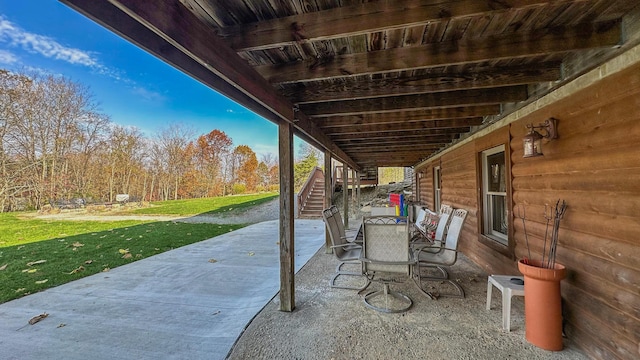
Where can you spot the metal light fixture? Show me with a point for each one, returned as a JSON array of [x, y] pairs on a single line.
[[533, 140]]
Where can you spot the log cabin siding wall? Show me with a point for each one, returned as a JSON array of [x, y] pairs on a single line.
[[595, 166]]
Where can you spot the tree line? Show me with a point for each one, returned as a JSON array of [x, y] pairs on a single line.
[[55, 145]]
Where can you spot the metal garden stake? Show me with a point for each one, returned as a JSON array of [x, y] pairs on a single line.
[[522, 216]]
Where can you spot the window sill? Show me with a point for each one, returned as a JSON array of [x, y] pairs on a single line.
[[495, 245]]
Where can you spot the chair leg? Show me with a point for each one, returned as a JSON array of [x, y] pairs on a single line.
[[339, 272], [387, 293], [459, 294], [489, 289], [506, 310], [443, 271], [418, 281]]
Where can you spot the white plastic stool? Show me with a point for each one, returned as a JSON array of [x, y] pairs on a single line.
[[508, 289]]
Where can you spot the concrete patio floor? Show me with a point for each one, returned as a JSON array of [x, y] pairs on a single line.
[[176, 305], [331, 323]]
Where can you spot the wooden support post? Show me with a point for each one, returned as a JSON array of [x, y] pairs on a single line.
[[358, 187], [353, 185], [328, 193], [345, 194], [287, 266]]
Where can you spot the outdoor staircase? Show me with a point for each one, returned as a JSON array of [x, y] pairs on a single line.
[[311, 198]]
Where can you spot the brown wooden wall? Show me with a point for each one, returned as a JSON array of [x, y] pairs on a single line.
[[595, 167], [425, 186]]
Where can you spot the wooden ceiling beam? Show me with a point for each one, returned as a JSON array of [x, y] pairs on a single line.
[[409, 126], [360, 19], [391, 159], [392, 149], [433, 140], [423, 101], [362, 154], [391, 132], [358, 88], [397, 161], [168, 26], [456, 52], [390, 155], [370, 149], [407, 116], [442, 139], [395, 156], [451, 133], [391, 163]]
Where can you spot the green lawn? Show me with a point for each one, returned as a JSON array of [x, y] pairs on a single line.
[[215, 205], [39, 254]]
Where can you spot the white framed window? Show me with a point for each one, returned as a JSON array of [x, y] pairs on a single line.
[[494, 195], [437, 186]]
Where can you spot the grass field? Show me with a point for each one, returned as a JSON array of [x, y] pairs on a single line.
[[205, 206], [38, 254]]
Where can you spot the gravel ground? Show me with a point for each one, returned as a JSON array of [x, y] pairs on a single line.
[[332, 323]]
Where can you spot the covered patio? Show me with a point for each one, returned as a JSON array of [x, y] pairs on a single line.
[[444, 86], [331, 323]]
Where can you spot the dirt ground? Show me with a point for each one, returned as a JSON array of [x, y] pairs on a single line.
[[330, 323], [263, 212]]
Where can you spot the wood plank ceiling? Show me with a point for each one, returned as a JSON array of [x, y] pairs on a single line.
[[388, 83]]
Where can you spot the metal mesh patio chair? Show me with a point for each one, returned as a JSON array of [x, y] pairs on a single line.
[[434, 245], [346, 252], [352, 236], [439, 257], [386, 258]]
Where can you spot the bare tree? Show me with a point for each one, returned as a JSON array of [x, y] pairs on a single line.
[[40, 127], [173, 142], [89, 147], [126, 151]]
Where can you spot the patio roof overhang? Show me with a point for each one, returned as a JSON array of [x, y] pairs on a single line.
[[381, 83]]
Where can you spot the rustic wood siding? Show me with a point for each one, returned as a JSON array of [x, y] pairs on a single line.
[[425, 197], [595, 167], [459, 186]]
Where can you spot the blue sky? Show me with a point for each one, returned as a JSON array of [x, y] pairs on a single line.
[[131, 86]]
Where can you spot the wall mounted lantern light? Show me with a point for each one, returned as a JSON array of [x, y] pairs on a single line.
[[533, 140]]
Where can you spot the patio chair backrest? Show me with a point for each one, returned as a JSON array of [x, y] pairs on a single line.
[[386, 239], [339, 221], [445, 214], [453, 235], [333, 221], [422, 216]]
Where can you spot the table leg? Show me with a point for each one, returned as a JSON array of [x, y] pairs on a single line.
[[489, 288]]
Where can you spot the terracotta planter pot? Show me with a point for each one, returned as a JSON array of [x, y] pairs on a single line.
[[543, 304]]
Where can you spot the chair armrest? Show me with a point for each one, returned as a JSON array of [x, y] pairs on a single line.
[[408, 262], [348, 246], [411, 261], [439, 248], [423, 246]]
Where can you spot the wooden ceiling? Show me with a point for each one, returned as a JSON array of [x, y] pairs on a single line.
[[377, 83]]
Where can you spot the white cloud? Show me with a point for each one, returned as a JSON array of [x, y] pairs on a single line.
[[148, 95], [44, 45], [7, 57]]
